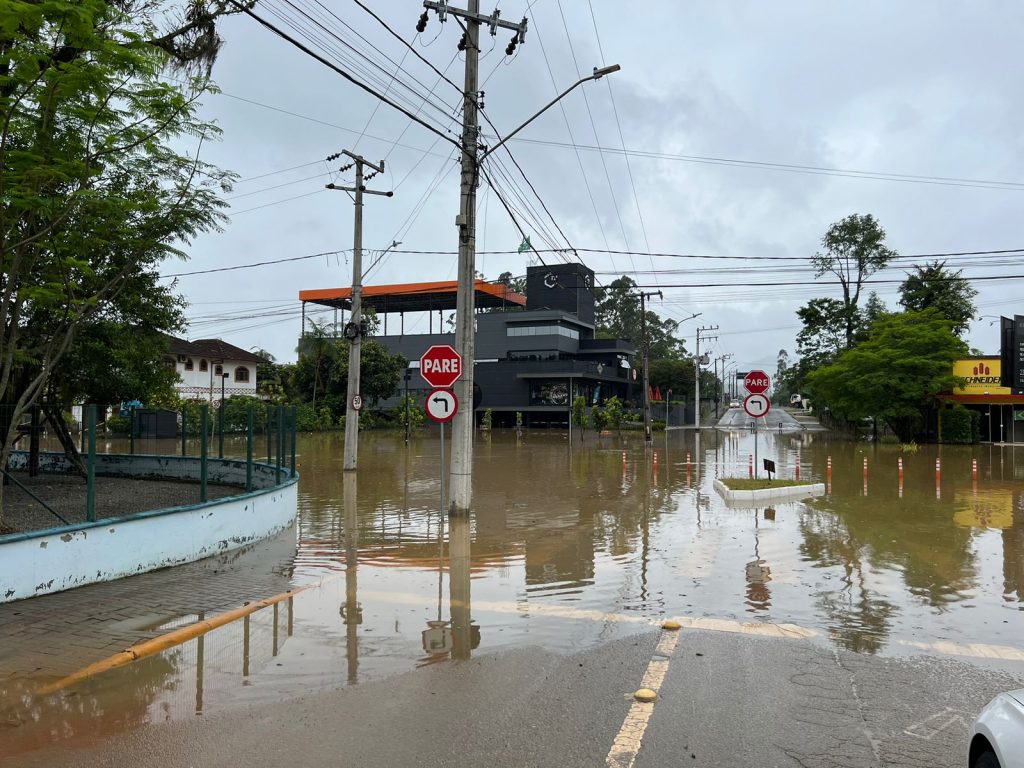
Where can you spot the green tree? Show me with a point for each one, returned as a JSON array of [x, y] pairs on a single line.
[[517, 284], [615, 413], [676, 375], [617, 315], [896, 374], [323, 371], [854, 250], [579, 414], [96, 184], [823, 334], [933, 286], [600, 419]]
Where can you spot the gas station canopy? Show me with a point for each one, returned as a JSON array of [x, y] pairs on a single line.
[[415, 297]]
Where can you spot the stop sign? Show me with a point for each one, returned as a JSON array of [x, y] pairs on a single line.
[[756, 382], [441, 366]]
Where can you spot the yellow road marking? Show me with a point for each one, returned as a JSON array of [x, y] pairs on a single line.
[[787, 631], [630, 737]]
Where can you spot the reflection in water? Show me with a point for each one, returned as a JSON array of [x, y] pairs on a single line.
[[563, 544], [351, 612]]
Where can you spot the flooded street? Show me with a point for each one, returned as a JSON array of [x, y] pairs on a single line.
[[575, 546]]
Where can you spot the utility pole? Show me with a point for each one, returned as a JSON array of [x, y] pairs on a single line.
[[648, 437], [718, 390], [461, 481], [696, 372], [354, 329]]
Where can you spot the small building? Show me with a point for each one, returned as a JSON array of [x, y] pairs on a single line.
[[1000, 409], [208, 367], [534, 354]]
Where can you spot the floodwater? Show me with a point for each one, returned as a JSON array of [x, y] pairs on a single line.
[[573, 545]]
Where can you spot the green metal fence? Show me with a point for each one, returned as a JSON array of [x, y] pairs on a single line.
[[47, 439]]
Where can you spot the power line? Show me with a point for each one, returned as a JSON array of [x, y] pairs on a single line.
[[330, 65], [256, 264], [786, 167]]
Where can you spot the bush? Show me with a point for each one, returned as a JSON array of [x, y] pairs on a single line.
[[960, 425], [119, 425]]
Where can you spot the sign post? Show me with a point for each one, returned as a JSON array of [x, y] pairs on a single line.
[[756, 404], [441, 367]]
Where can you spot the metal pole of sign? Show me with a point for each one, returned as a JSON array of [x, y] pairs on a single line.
[[442, 471], [755, 447], [248, 449], [184, 423], [204, 421]]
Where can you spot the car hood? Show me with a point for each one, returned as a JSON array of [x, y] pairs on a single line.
[[1017, 696]]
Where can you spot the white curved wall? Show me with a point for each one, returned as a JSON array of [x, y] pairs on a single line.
[[56, 559]]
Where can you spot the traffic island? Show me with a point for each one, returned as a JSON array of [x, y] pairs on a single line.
[[749, 492]]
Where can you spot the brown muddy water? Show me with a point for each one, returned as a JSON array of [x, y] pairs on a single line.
[[574, 545]]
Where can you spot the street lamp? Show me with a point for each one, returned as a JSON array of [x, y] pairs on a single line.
[[599, 72]]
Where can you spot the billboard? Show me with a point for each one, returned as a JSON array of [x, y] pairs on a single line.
[[983, 376], [1011, 353]]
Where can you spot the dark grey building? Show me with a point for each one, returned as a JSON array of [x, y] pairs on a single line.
[[530, 360]]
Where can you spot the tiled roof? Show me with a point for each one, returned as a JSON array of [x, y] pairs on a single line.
[[216, 350]]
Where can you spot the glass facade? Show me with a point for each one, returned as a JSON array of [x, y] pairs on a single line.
[[543, 330]]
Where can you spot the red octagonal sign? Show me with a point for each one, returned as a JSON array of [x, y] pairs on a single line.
[[757, 382], [441, 366]]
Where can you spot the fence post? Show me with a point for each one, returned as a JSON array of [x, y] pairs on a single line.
[[280, 443], [131, 431], [220, 429], [184, 427], [294, 418], [270, 432], [90, 479], [204, 422], [248, 450]]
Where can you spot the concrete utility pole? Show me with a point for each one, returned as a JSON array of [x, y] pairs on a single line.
[[461, 480], [461, 485], [648, 437], [696, 372], [354, 328]]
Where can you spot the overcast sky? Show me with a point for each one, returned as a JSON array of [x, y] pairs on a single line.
[[875, 91]]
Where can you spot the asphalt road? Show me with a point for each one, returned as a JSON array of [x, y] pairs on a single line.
[[737, 418], [726, 700]]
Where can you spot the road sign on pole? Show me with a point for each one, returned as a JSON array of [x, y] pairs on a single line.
[[756, 382], [441, 366], [357, 402], [756, 405], [442, 405]]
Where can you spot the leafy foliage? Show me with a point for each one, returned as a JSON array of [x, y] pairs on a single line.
[[895, 374], [618, 316], [960, 425], [579, 414], [933, 286], [854, 250]]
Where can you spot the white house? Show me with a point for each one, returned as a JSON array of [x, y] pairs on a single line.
[[208, 367]]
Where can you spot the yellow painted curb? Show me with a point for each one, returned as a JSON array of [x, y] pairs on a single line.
[[645, 694], [671, 624], [164, 642]]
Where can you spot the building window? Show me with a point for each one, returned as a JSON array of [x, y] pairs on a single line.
[[189, 364], [543, 330], [219, 370], [203, 366], [241, 374]]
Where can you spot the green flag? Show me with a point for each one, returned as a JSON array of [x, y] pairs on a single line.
[[525, 245]]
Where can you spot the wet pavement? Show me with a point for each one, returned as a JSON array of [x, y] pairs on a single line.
[[573, 555]]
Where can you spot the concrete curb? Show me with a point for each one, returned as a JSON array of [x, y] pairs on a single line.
[[767, 496]]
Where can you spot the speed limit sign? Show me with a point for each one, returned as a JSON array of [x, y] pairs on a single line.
[[357, 402]]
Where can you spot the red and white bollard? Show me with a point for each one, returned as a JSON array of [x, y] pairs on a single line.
[[865, 467], [974, 470], [828, 475], [899, 464], [750, 464], [798, 466], [938, 478]]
